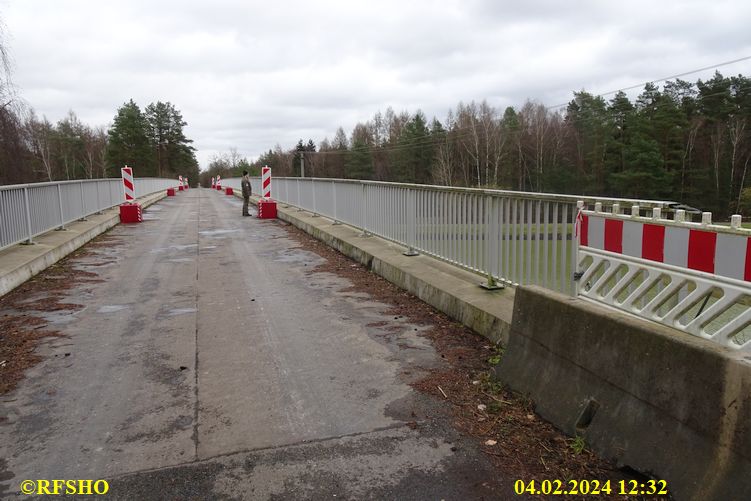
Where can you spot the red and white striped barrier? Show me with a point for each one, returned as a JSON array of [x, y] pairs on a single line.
[[180, 185], [129, 187], [720, 253], [218, 182], [266, 181], [213, 183]]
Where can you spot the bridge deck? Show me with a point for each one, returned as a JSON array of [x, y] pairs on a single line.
[[209, 362]]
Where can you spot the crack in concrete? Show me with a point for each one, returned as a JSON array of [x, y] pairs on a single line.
[[195, 368]]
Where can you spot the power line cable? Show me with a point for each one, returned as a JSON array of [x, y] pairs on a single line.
[[679, 75]]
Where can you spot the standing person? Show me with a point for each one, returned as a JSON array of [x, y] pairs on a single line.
[[246, 192]]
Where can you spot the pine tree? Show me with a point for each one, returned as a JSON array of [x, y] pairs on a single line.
[[128, 142]]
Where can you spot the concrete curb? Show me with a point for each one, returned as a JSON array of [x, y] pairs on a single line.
[[450, 289], [49, 248]]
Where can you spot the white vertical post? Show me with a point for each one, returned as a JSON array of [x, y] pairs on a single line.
[[299, 200], [575, 258], [98, 198], [333, 194], [60, 204], [491, 243], [364, 211], [28, 215], [411, 226], [83, 204], [315, 207]]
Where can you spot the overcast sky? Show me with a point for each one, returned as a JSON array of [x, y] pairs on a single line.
[[250, 74]]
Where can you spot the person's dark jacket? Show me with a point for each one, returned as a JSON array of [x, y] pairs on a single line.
[[246, 188]]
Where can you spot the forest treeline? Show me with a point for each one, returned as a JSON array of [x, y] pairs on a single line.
[[684, 142], [152, 141]]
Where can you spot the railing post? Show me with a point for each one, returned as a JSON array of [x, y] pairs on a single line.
[[30, 241], [364, 211], [60, 204], [299, 200], [98, 198], [313, 183], [491, 244], [333, 194], [411, 226], [575, 258], [83, 204]]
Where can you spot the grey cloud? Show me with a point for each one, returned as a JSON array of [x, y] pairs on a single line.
[[253, 74]]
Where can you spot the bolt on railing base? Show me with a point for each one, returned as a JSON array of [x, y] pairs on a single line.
[[336, 222], [315, 214], [61, 228], [28, 242], [366, 234], [492, 284], [411, 252]]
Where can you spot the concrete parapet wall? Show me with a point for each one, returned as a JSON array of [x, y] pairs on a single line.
[[647, 396]]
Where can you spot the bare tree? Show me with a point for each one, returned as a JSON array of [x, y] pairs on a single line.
[[41, 135], [736, 133]]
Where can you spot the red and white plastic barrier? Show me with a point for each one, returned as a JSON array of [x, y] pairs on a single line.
[[213, 183], [266, 181], [180, 185], [720, 253], [130, 211], [129, 186], [218, 182]]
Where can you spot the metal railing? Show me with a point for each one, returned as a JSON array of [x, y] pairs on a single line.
[[508, 237], [29, 210]]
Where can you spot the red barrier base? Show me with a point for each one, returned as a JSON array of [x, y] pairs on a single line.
[[180, 188], [219, 188], [266, 208], [130, 212], [170, 192], [229, 191]]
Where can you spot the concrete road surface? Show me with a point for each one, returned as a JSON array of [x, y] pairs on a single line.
[[209, 364]]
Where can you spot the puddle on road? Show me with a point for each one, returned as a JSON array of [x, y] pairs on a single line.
[[60, 317], [180, 311], [212, 233], [112, 308], [173, 247]]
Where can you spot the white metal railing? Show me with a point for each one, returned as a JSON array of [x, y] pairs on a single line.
[[28, 210], [509, 237]]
